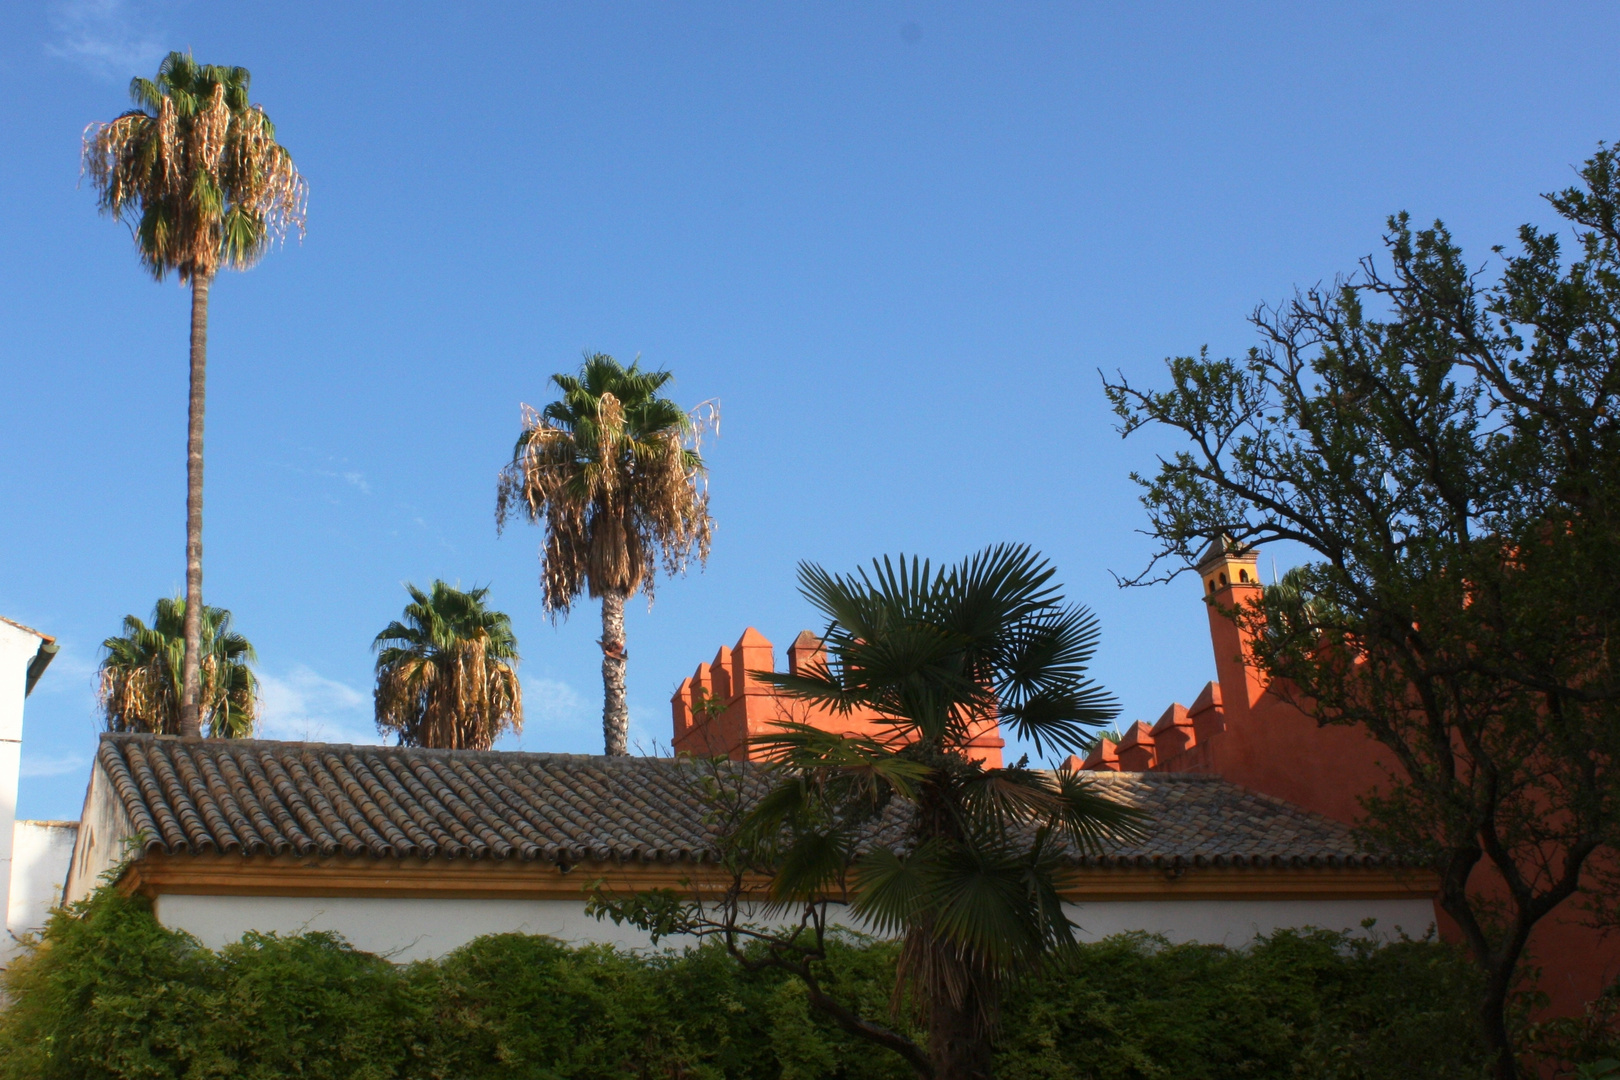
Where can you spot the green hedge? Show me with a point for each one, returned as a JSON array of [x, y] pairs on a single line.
[[109, 993]]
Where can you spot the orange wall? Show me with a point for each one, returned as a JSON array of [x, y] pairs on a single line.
[[748, 708], [1252, 734]]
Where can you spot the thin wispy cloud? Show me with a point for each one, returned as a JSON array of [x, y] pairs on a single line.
[[353, 477], [305, 706], [47, 765], [555, 717], [553, 704], [113, 39]]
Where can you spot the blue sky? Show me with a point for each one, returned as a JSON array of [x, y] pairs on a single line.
[[895, 240]]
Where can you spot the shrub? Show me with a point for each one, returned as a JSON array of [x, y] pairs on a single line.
[[1307, 1004], [109, 994]]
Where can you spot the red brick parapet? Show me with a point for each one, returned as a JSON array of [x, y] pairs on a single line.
[[721, 706]]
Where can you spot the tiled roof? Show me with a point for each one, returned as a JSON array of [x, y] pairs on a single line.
[[254, 797]]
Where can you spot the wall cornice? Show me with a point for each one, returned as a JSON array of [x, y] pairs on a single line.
[[235, 875]]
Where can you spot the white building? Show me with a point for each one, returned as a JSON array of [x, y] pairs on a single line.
[[412, 853], [33, 854]]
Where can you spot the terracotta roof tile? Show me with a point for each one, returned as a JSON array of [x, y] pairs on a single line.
[[272, 798]]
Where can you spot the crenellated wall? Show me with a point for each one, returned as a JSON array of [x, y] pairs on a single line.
[[1254, 734], [721, 707], [1241, 728]]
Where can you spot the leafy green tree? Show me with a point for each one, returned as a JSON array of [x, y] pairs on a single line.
[[613, 471], [141, 674], [1446, 446], [197, 174], [447, 675], [962, 862]]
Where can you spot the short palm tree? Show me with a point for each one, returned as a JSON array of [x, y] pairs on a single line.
[[197, 174], [963, 863], [972, 887], [447, 675], [142, 670], [613, 471]]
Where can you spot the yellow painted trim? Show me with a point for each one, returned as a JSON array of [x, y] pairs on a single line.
[[236, 875]]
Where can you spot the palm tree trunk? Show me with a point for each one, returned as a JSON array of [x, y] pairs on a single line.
[[958, 1044], [615, 712], [191, 677], [956, 1048]]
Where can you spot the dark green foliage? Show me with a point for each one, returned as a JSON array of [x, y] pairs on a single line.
[[111, 994], [311, 1006], [1294, 1005]]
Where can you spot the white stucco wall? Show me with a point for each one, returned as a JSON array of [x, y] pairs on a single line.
[[402, 930], [1236, 922], [17, 648], [41, 851], [408, 930], [104, 829]]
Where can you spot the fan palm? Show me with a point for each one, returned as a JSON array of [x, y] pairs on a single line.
[[196, 172], [142, 670], [613, 471], [973, 885], [447, 674]]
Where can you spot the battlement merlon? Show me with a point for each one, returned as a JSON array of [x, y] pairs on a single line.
[[722, 705]]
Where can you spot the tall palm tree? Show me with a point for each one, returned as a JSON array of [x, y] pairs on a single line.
[[972, 885], [447, 675], [142, 670], [197, 174], [613, 471]]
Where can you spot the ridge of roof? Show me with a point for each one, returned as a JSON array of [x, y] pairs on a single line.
[[209, 741], [1104, 777], [27, 629]]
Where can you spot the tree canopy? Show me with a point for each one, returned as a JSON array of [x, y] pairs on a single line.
[[195, 170], [1444, 443], [447, 674], [612, 469]]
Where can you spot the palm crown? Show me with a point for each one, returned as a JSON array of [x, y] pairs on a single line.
[[141, 674], [614, 471], [447, 673], [196, 170]]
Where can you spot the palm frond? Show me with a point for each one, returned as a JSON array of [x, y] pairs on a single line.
[[812, 866], [984, 908], [801, 749], [1089, 820], [892, 891]]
